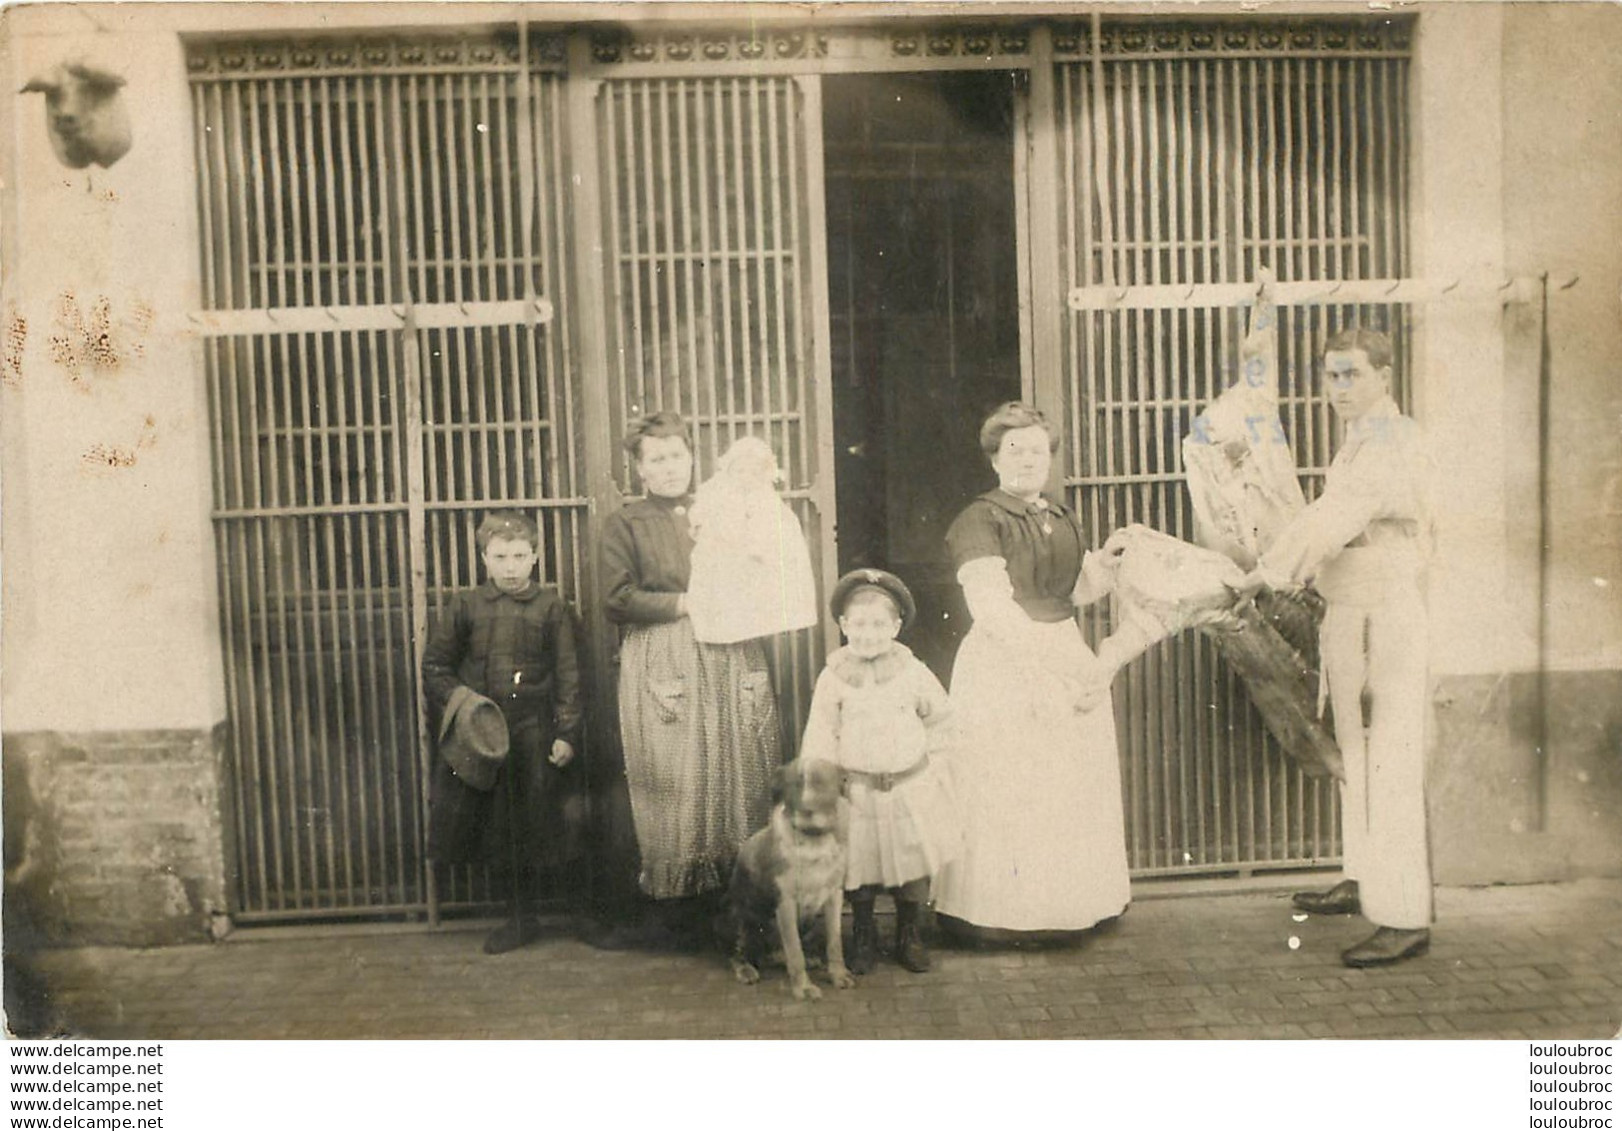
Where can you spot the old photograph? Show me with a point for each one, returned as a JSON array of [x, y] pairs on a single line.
[[828, 521]]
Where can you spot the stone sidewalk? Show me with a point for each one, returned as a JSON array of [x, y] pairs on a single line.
[[1535, 962]]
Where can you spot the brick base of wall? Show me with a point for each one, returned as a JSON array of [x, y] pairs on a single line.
[[1486, 827], [113, 838]]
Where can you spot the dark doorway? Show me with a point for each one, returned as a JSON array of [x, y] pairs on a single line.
[[924, 287]]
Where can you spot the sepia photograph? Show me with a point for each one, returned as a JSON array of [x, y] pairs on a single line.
[[893, 521]]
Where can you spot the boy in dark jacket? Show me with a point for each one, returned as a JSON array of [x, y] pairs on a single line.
[[512, 640]]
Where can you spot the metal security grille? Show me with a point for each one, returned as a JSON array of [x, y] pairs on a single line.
[[713, 214], [382, 248], [1191, 156]]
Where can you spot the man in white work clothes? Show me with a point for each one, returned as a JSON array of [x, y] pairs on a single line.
[[1363, 544]]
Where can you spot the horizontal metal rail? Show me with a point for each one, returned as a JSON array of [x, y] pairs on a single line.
[[390, 316], [493, 503], [1235, 867], [1317, 292]]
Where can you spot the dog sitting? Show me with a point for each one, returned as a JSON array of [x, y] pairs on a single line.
[[790, 871]]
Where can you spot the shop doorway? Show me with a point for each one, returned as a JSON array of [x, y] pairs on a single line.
[[924, 318]]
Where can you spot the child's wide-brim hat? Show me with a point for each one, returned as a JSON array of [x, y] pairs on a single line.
[[873, 579], [473, 738]]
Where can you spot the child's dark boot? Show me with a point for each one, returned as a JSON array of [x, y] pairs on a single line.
[[910, 949], [864, 948]]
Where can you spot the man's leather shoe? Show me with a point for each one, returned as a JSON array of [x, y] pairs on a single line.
[[1338, 900], [1387, 945]]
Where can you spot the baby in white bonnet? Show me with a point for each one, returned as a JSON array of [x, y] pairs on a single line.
[[751, 570]]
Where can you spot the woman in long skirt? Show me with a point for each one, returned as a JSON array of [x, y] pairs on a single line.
[[698, 722], [1045, 848]]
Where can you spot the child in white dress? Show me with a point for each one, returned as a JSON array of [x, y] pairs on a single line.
[[883, 717], [751, 571]]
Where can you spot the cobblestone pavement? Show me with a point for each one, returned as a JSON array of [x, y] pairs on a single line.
[[1534, 962]]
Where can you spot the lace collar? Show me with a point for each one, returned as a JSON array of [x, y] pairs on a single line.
[[858, 671]]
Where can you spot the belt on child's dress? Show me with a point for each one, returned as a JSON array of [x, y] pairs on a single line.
[[886, 780]]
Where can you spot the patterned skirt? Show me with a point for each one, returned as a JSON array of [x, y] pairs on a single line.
[[699, 727]]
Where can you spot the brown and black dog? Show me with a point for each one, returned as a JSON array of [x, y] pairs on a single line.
[[789, 872]]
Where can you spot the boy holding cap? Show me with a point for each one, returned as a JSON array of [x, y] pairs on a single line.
[[882, 717], [510, 641]]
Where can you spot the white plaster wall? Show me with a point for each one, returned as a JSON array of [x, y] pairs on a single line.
[[1482, 619], [1563, 215], [1519, 157], [109, 602]]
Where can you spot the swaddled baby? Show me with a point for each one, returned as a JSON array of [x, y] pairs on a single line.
[[751, 572]]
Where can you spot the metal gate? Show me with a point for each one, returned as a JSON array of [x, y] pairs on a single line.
[[716, 259], [383, 246], [385, 257], [1187, 156], [386, 277]]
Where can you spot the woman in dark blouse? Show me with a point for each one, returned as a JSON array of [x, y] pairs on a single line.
[[698, 721], [1045, 844]]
